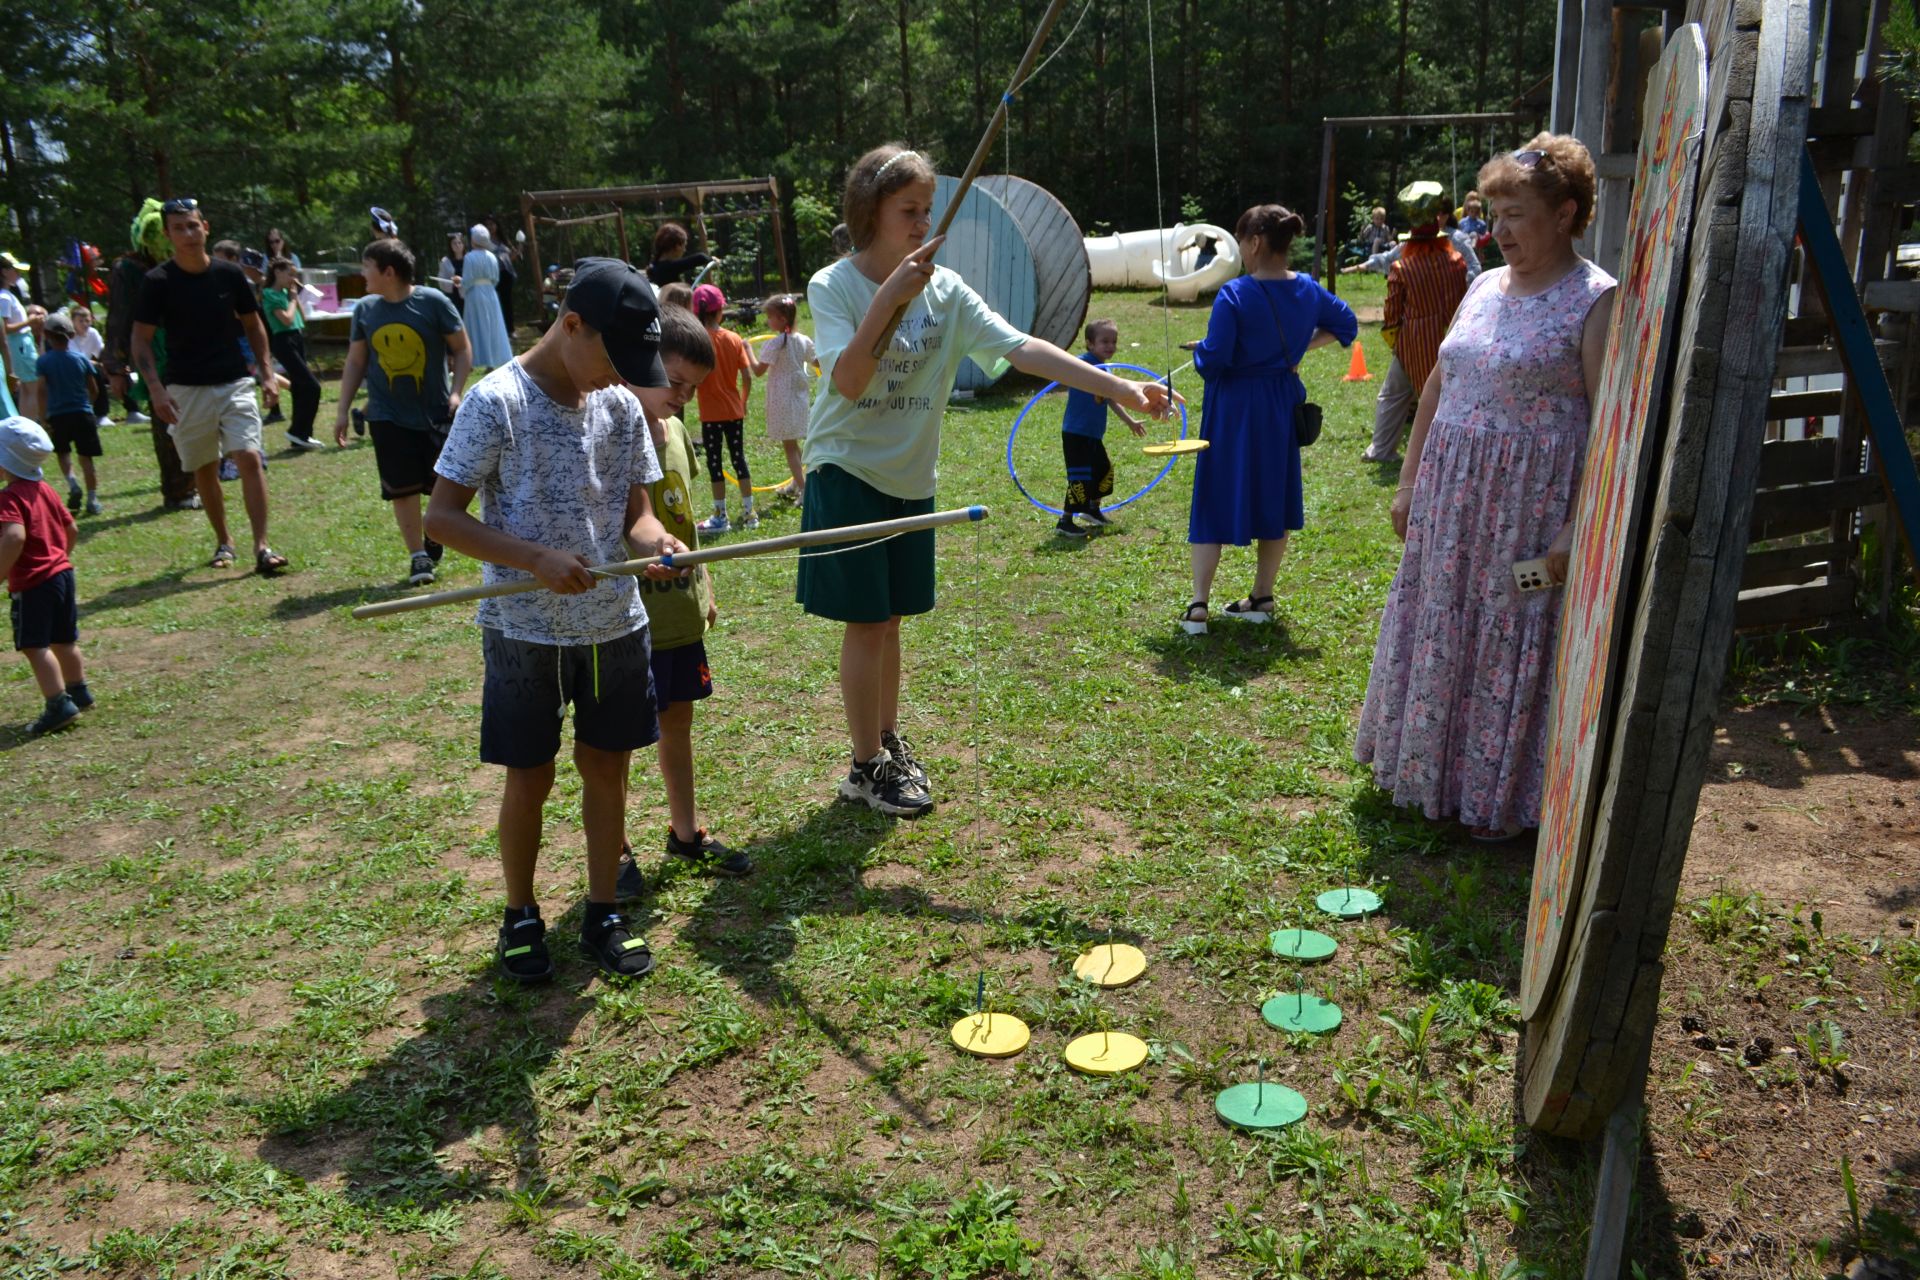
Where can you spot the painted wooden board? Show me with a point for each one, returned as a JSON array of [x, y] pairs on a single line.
[[987, 247], [1062, 277], [1610, 506], [1587, 1048]]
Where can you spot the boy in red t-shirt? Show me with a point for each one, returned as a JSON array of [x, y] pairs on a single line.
[[723, 410], [36, 532]]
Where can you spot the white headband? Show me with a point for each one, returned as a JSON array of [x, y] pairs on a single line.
[[892, 160]]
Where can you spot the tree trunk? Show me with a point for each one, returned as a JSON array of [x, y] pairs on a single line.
[[1399, 96], [906, 68]]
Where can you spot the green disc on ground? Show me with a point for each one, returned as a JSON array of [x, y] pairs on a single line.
[[1301, 944], [1349, 902], [1297, 1011], [1260, 1106]]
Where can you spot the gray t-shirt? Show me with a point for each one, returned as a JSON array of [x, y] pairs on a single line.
[[559, 477], [407, 357]]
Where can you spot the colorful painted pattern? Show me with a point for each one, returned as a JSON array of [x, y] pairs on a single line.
[[1606, 534]]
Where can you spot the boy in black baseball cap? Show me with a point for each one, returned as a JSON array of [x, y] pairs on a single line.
[[561, 456]]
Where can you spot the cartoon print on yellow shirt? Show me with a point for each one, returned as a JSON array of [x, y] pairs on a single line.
[[402, 354]]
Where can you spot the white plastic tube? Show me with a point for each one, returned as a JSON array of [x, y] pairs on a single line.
[[1133, 260]]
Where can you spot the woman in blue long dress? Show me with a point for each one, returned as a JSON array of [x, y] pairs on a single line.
[[1246, 485], [486, 326]]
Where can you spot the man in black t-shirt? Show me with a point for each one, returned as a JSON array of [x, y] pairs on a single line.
[[207, 400]]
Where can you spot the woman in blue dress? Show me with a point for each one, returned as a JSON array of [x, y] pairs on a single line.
[[1246, 485], [486, 325]]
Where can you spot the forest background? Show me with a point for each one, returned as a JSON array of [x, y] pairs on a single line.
[[301, 114]]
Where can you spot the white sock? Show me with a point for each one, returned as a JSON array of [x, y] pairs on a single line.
[[720, 509], [746, 505]]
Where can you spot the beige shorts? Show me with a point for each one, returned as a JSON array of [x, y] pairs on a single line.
[[214, 421]]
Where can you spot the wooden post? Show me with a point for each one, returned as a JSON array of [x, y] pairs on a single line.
[[779, 236], [1329, 209], [620, 224], [539, 267]]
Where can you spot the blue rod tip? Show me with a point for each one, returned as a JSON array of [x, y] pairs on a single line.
[[976, 513]]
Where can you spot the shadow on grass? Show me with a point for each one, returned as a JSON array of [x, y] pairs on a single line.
[[92, 526], [745, 928], [1458, 910], [485, 1048], [168, 582], [475, 1064], [293, 608], [1231, 653]]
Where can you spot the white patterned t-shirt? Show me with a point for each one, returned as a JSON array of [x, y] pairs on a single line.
[[559, 477]]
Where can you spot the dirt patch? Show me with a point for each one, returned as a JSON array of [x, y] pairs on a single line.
[[1816, 807]]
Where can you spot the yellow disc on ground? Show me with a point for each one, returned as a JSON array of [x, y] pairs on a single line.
[[991, 1035], [1111, 964], [1106, 1053]]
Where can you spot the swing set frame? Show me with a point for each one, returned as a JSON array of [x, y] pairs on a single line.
[[1324, 226], [551, 209]]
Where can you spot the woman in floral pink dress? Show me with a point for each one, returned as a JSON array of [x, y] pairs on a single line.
[[1455, 722]]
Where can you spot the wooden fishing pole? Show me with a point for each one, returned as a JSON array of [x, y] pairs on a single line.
[[980, 152], [688, 559]]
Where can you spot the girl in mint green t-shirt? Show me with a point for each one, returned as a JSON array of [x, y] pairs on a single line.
[[873, 442]]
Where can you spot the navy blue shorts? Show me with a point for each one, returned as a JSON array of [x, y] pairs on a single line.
[[528, 686], [47, 613], [680, 674]]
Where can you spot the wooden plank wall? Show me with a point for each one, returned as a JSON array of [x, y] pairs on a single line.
[[1817, 495]]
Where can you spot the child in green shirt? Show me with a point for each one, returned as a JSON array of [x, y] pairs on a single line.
[[287, 337], [679, 610]]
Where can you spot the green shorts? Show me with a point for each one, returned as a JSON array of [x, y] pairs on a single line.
[[875, 582]]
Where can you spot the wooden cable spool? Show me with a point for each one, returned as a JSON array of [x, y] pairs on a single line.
[[990, 251], [1062, 276], [1592, 1007]]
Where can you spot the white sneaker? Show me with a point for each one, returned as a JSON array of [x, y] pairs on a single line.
[[306, 444], [135, 418], [103, 421], [751, 520], [713, 524]]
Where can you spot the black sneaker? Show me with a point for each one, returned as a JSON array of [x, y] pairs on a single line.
[[76, 498], [630, 884], [618, 951], [522, 951], [420, 569], [60, 713], [359, 422], [883, 785], [1068, 529], [708, 854], [434, 550], [1100, 518], [902, 752]]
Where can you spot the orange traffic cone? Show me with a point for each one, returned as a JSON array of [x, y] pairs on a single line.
[[1357, 367]]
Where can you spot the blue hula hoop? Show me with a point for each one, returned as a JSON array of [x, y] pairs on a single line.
[[1041, 393]]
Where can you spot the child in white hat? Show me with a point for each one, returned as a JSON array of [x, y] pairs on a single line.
[[36, 533]]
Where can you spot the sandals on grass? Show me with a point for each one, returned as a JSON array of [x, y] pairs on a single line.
[[1251, 609], [223, 557]]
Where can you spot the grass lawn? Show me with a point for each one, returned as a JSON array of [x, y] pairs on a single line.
[[249, 1024]]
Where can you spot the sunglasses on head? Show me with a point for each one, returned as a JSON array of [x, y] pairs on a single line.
[[179, 204], [1529, 159]]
